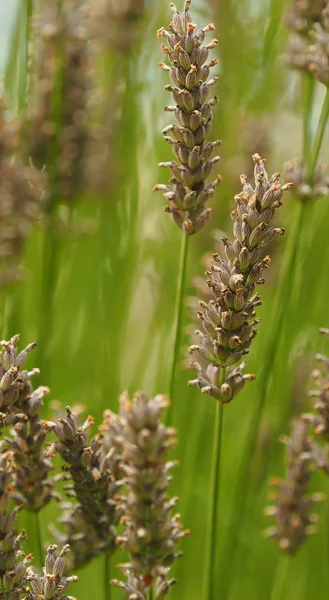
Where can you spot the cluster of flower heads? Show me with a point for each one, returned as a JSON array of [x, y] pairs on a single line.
[[307, 451], [151, 531], [309, 46], [229, 319], [189, 190], [57, 132]]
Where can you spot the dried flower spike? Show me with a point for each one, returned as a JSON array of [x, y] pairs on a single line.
[[57, 132], [94, 485], [292, 510], [228, 321], [188, 190], [52, 585], [151, 532]]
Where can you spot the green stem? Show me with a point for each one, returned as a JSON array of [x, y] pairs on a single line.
[[176, 339], [308, 88], [280, 578], [150, 593], [107, 575], [210, 591], [38, 540], [318, 139]]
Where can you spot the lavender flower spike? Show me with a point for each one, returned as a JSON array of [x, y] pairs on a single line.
[[228, 321], [151, 532], [189, 191]]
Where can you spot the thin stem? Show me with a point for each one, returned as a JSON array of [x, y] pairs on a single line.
[[150, 593], [280, 578], [176, 339], [107, 575], [38, 540], [318, 139], [210, 592], [308, 88]]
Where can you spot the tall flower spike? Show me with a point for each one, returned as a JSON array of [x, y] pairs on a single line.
[[189, 191], [293, 506], [12, 568], [52, 584], [94, 486], [58, 129], [228, 321], [151, 532]]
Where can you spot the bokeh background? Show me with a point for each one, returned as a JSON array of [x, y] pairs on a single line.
[[107, 324]]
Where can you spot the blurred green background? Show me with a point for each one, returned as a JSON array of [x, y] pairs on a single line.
[[113, 291]]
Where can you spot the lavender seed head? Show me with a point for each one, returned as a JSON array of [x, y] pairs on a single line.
[[229, 321], [151, 531], [188, 190]]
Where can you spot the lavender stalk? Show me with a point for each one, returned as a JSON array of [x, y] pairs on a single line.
[[188, 191]]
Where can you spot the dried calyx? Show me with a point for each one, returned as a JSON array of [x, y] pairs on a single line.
[[151, 531], [229, 319], [52, 584], [188, 190]]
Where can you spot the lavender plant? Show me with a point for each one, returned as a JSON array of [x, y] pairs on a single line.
[[189, 190], [189, 73]]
